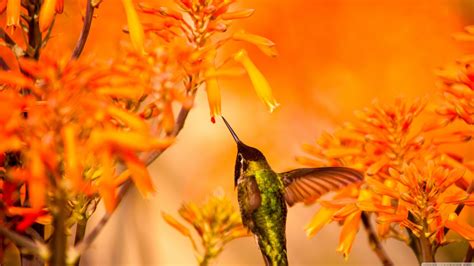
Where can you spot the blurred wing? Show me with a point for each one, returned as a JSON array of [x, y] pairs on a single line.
[[311, 183]]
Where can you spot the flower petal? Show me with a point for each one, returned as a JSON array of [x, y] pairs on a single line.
[[9, 58], [59, 6], [124, 176], [13, 13], [129, 119], [259, 82], [348, 233], [346, 211], [137, 34], [72, 163], [47, 13], [175, 224], [106, 184], [15, 79], [462, 228], [380, 188], [213, 94], [37, 181], [320, 219], [229, 72], [264, 44], [3, 6], [168, 118], [127, 140], [340, 152], [179, 227], [121, 92], [140, 176], [240, 14]]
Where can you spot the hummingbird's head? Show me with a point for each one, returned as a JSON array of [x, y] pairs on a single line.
[[245, 155]]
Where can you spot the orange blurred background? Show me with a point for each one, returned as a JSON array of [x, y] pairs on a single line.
[[335, 56]]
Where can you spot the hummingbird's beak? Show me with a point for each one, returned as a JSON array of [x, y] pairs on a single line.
[[231, 131]]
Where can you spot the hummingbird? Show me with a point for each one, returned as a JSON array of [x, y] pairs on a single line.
[[264, 194]]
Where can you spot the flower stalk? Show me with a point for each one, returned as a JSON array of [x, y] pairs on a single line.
[[59, 239], [81, 42], [81, 227], [427, 254], [34, 31], [374, 241]]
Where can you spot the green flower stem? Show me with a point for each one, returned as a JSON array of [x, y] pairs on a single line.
[[80, 233], [59, 238]]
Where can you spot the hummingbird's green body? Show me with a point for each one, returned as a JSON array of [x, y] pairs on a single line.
[[263, 208], [263, 195]]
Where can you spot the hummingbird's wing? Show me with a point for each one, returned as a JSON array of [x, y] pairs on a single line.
[[310, 183]]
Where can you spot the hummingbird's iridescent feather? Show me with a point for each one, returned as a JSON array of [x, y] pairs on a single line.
[[311, 183], [265, 213]]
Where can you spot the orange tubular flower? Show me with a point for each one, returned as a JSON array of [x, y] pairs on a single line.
[[13, 13], [59, 6], [73, 169], [244, 13], [348, 233], [461, 227], [135, 27], [213, 94], [106, 184], [265, 45], [140, 175], [127, 140], [47, 13], [37, 180], [168, 118], [3, 6], [319, 220], [259, 82]]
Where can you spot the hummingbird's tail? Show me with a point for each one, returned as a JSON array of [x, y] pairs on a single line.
[[272, 257]]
